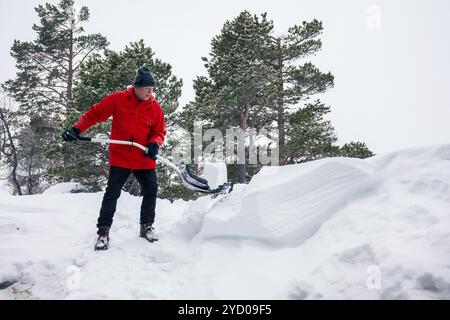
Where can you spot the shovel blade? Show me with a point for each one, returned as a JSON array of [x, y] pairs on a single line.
[[198, 184]]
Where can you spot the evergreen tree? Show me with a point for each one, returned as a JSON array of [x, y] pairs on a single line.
[[239, 83], [43, 87], [310, 136], [99, 76], [47, 66], [296, 83], [355, 150], [255, 79]]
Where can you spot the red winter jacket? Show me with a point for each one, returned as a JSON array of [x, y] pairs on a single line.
[[133, 120]]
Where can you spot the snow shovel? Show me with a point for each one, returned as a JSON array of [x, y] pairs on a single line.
[[189, 180]]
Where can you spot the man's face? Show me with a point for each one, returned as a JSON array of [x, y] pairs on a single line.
[[143, 93]]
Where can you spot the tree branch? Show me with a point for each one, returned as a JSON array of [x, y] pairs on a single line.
[[53, 90], [54, 60], [86, 55]]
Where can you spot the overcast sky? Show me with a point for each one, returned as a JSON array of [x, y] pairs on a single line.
[[390, 59]]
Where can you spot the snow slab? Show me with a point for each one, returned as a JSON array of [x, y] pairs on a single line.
[[215, 173]]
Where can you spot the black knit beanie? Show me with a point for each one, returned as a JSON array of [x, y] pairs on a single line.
[[144, 78]]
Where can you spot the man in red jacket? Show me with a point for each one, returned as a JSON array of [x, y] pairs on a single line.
[[137, 117]]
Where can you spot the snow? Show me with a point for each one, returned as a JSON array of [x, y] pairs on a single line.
[[290, 206], [215, 173], [259, 140], [335, 228], [3, 189], [64, 187]]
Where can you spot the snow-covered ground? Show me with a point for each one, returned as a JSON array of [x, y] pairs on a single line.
[[333, 229]]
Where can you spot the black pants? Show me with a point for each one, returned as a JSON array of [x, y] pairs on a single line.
[[117, 178]]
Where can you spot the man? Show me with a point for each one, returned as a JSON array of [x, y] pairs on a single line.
[[137, 117]]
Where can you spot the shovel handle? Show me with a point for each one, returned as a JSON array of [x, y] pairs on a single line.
[[131, 143]]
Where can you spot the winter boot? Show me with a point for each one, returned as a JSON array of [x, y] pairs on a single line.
[[148, 232], [103, 239]]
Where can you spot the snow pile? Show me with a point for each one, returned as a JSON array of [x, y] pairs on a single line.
[[3, 190], [3, 183], [335, 228], [287, 206], [64, 187], [215, 173]]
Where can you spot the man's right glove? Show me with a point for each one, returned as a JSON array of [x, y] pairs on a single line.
[[72, 134]]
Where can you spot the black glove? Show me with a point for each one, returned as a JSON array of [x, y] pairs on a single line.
[[152, 151], [72, 134]]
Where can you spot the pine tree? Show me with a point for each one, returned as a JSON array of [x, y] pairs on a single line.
[[239, 82], [43, 87], [296, 83], [48, 66], [355, 150], [99, 76], [311, 137], [256, 79]]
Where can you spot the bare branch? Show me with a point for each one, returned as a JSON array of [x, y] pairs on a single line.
[[85, 56]]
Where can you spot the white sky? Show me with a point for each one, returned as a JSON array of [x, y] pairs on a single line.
[[392, 78]]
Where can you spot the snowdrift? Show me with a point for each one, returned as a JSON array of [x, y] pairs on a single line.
[[286, 205], [336, 228]]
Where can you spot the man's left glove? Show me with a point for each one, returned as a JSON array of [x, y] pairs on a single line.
[[72, 134], [152, 151]]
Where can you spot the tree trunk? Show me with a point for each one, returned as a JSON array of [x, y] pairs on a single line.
[[70, 73], [16, 184], [66, 158], [242, 166], [15, 161], [280, 99], [29, 180]]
